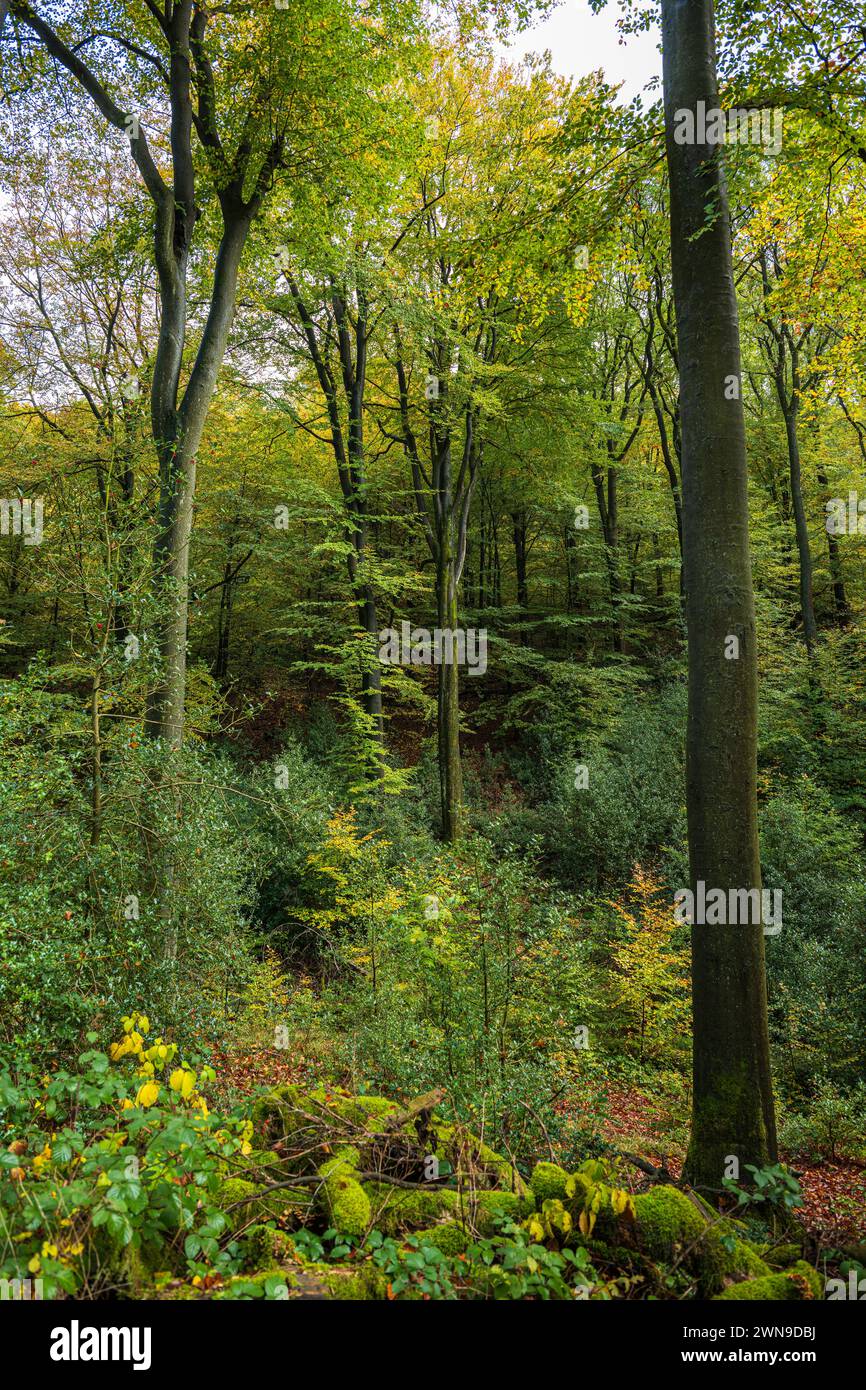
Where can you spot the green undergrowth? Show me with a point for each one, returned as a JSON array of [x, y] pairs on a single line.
[[123, 1183]]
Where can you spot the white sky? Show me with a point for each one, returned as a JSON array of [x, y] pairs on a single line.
[[581, 42]]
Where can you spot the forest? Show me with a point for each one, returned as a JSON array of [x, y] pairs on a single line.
[[432, 617]]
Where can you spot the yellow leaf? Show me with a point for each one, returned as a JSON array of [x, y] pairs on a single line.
[[147, 1094]]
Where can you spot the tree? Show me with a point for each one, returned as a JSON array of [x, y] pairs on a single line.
[[652, 985], [226, 100], [489, 263], [733, 1101]]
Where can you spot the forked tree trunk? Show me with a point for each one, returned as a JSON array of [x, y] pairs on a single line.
[[177, 433]]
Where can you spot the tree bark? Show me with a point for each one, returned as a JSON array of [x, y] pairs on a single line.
[[801, 528], [519, 532], [732, 1112], [443, 503], [448, 701], [841, 607]]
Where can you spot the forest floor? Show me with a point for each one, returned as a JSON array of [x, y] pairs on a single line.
[[834, 1193]]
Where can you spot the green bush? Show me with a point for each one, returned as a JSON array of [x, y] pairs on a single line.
[[817, 994], [832, 1125], [109, 1176]]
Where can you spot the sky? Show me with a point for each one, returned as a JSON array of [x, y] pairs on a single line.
[[581, 42]]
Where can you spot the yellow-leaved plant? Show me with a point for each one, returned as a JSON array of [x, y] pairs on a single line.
[[153, 1062]]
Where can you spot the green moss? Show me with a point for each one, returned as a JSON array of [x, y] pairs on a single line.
[[269, 1204], [781, 1256], [715, 1261], [367, 1109], [343, 1196], [443, 1133], [549, 1181], [259, 1158], [397, 1209], [800, 1282], [744, 1259], [353, 1285], [348, 1154], [448, 1236], [127, 1269], [285, 1112], [665, 1220], [265, 1247], [321, 1279], [669, 1225]]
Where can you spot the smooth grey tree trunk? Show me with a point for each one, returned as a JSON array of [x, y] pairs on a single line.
[[732, 1115]]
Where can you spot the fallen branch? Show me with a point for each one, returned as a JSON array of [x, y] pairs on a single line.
[[420, 1107]]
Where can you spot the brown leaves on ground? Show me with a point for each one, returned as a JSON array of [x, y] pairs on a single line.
[[242, 1073], [834, 1194]]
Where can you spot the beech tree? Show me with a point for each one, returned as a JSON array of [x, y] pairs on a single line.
[[733, 1112], [213, 104]]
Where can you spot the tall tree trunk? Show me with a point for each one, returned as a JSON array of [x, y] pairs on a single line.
[[519, 532], [673, 478], [371, 674], [448, 711], [178, 432], [801, 528], [841, 606], [570, 543], [443, 503], [732, 1111]]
